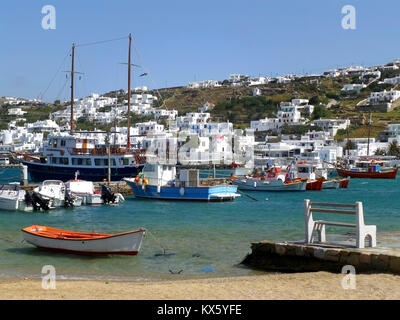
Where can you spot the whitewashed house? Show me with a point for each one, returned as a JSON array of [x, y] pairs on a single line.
[[392, 81], [384, 97], [332, 125], [206, 107], [149, 127], [353, 87], [16, 112]]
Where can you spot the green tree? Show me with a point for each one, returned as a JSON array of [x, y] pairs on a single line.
[[394, 149], [350, 145], [380, 152], [320, 111]]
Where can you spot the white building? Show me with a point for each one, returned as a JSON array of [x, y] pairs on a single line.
[[256, 92], [332, 125], [42, 126], [191, 118], [384, 97], [353, 87], [393, 81], [165, 114], [149, 127], [16, 112], [204, 84], [206, 107]]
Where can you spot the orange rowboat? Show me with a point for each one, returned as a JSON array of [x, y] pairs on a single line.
[[125, 243]]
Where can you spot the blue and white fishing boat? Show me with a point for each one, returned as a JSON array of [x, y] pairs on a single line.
[[158, 181]]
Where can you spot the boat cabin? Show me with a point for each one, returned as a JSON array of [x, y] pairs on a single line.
[[159, 174], [305, 171]]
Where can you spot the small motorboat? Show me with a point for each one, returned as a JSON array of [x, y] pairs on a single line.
[[90, 196], [54, 190], [85, 190], [12, 197], [87, 243], [336, 183]]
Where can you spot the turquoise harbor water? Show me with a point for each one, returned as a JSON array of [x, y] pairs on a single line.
[[206, 239]]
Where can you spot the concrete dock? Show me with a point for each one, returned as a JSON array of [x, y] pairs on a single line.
[[301, 257]]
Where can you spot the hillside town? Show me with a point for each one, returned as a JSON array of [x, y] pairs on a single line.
[[267, 138]]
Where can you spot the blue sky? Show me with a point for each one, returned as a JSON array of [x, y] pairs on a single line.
[[179, 41]]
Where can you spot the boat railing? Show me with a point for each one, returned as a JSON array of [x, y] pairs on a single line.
[[101, 151]]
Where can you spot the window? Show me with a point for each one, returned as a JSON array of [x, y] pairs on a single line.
[[62, 143], [125, 161], [97, 162], [88, 162]]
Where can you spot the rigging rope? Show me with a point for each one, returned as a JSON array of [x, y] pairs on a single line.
[[99, 42], [147, 71], [58, 70]]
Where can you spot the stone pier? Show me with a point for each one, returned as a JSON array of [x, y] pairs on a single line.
[[300, 257]]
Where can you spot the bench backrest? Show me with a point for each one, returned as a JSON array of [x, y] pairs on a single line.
[[339, 208]]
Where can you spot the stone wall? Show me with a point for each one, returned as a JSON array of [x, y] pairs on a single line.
[[294, 257]]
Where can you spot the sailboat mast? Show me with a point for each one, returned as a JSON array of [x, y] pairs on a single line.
[[72, 87], [369, 133], [128, 143]]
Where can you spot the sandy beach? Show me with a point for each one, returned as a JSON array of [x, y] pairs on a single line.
[[320, 285]]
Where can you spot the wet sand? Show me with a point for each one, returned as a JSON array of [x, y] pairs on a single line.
[[320, 285]]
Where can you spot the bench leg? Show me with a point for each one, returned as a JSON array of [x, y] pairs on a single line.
[[321, 233]]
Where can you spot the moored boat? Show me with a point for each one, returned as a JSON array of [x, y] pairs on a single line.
[[160, 182], [66, 154], [54, 190], [370, 174], [336, 183], [274, 180], [89, 243], [12, 197]]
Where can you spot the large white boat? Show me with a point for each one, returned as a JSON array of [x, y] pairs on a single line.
[[66, 154]]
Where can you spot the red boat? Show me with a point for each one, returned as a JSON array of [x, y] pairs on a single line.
[[390, 174], [315, 185]]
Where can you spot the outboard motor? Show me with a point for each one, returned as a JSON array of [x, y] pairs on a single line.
[[68, 200], [107, 195], [39, 202], [29, 200]]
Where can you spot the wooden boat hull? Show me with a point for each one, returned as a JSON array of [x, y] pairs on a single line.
[[336, 183], [315, 185], [205, 193], [126, 243], [368, 175]]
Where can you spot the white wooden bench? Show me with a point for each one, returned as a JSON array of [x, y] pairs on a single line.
[[362, 231]]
